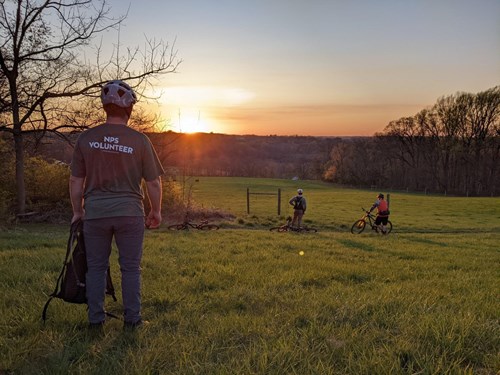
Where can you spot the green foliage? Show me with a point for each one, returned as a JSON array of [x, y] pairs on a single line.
[[47, 183], [172, 195], [244, 301], [172, 199]]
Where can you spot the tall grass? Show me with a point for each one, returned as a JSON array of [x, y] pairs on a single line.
[[237, 301]]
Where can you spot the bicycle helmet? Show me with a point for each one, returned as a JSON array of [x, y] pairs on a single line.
[[119, 93], [380, 195], [299, 191]]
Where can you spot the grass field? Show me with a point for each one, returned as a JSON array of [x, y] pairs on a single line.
[[241, 300]]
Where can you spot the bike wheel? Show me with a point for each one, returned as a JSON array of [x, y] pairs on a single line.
[[358, 226], [209, 227], [278, 229], [388, 227], [177, 227]]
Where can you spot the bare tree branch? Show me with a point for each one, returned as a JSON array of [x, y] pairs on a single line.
[[49, 83]]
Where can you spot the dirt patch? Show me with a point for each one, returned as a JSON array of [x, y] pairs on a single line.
[[213, 215]]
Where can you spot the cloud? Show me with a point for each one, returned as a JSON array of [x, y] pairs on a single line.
[[200, 96]]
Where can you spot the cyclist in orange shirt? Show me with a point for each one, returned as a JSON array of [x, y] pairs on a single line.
[[382, 212]]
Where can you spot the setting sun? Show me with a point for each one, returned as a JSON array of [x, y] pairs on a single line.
[[192, 121], [190, 109]]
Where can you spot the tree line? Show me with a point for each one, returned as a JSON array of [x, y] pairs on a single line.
[[210, 154], [453, 147], [214, 154]]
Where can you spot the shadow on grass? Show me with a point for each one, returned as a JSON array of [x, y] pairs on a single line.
[[356, 245], [410, 230], [427, 241], [161, 305], [63, 347], [157, 308]]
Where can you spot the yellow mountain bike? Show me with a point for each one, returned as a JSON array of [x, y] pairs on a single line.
[[368, 218]]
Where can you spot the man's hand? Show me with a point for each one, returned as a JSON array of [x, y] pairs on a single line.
[[77, 216], [153, 220]]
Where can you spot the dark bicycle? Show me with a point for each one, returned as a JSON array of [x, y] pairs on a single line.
[[369, 218], [203, 225], [288, 227]]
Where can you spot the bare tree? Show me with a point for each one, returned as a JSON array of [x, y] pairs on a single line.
[[452, 146], [48, 82]]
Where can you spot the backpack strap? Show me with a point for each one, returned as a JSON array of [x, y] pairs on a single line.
[[72, 238], [76, 233], [298, 203], [75, 229], [44, 312]]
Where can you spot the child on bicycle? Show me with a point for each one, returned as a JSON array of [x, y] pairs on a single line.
[[382, 212]]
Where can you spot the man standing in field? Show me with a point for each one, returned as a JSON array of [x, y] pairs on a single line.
[[109, 163], [299, 207], [382, 212]]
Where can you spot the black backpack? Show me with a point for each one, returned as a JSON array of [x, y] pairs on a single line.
[[298, 203], [70, 285]]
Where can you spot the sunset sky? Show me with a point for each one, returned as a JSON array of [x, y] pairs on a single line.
[[316, 67]]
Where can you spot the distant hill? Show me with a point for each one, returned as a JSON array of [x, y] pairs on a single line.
[[212, 154]]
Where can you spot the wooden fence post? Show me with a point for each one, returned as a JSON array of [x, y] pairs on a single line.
[[278, 194], [279, 202]]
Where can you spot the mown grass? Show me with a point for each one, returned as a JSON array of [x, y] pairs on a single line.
[[336, 208], [237, 301]]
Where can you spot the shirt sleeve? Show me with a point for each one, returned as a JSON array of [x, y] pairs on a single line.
[[77, 163], [151, 165]]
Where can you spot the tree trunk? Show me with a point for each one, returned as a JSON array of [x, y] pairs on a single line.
[[21, 188]]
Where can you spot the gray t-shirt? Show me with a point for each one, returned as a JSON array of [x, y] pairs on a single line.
[[298, 202], [114, 159]]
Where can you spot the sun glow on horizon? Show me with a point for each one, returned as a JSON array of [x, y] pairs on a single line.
[[189, 109], [192, 121], [193, 109]]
